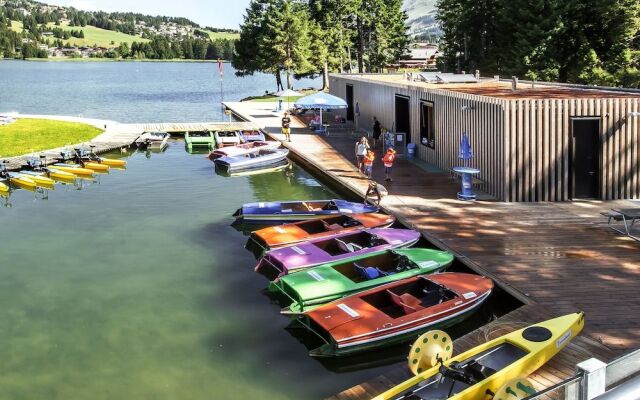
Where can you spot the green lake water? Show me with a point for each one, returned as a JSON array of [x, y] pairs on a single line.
[[137, 287]]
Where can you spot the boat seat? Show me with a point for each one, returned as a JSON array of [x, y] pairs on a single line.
[[383, 272], [367, 273], [334, 227], [399, 301], [478, 371], [347, 247], [411, 301]]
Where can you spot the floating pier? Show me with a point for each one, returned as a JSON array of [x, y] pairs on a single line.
[[555, 258], [117, 135]]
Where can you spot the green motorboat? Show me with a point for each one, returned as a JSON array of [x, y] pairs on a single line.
[[319, 285], [200, 139]]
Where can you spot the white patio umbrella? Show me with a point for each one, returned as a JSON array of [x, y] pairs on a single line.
[[321, 101], [288, 94]]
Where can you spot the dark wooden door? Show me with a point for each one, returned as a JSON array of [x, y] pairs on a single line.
[[585, 165], [349, 100], [403, 116]]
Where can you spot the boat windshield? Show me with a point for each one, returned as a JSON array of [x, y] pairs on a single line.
[[459, 376]]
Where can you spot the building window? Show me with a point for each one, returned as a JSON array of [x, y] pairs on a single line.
[[427, 124]]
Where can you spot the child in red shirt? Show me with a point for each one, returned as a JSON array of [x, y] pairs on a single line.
[[388, 160], [368, 164]]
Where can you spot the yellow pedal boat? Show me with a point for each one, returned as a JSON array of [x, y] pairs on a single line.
[[4, 189], [61, 176], [72, 169], [40, 179], [479, 373], [22, 181], [95, 166], [112, 162]]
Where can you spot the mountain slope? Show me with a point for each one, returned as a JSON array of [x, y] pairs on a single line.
[[422, 14]]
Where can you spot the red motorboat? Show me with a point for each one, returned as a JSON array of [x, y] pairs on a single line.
[[396, 312]]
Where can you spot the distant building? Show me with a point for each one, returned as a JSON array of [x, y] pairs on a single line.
[[420, 56]]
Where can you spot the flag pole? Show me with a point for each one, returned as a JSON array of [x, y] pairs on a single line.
[[220, 72]]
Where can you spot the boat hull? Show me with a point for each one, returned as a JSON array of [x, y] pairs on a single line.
[[242, 149], [22, 182], [61, 176], [4, 189], [334, 350], [96, 166], [40, 179], [78, 171], [289, 234], [262, 159], [283, 212], [372, 319], [113, 163]]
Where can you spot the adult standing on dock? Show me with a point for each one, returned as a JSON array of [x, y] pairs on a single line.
[[286, 126], [362, 147], [377, 131]]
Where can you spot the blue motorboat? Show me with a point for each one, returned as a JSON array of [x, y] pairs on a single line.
[[291, 211]]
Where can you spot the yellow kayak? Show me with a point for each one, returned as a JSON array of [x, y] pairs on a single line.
[[4, 189], [112, 162], [483, 369], [96, 166], [22, 182], [40, 179], [72, 169], [61, 176]]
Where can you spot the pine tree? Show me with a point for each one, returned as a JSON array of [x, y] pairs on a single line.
[[249, 56], [288, 39]]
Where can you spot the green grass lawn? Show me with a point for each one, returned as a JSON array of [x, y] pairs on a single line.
[[274, 99], [32, 135], [222, 35], [98, 36]]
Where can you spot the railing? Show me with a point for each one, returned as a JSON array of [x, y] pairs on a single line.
[[596, 379]]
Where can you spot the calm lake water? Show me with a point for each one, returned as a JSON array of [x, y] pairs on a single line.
[[137, 287], [127, 91]]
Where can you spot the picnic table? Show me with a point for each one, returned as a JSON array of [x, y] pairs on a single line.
[[628, 217]]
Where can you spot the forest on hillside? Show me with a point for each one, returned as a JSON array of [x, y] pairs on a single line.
[[578, 41]]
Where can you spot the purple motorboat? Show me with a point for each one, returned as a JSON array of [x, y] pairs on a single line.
[[340, 247]]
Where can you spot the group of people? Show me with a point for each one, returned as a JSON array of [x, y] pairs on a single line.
[[365, 156], [364, 152]]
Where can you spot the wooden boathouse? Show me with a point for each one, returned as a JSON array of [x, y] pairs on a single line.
[[533, 142]]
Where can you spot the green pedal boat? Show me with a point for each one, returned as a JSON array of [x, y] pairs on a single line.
[[319, 285]]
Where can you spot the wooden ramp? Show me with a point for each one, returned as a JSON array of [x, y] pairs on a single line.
[[557, 258]]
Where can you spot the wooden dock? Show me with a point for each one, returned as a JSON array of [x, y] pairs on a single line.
[[117, 135], [556, 258]]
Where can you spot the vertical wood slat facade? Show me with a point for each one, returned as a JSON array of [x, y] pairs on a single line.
[[523, 147]]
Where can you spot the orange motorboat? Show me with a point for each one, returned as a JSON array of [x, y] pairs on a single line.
[[396, 312], [289, 234]]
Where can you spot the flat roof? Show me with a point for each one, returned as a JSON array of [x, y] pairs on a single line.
[[502, 90]]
